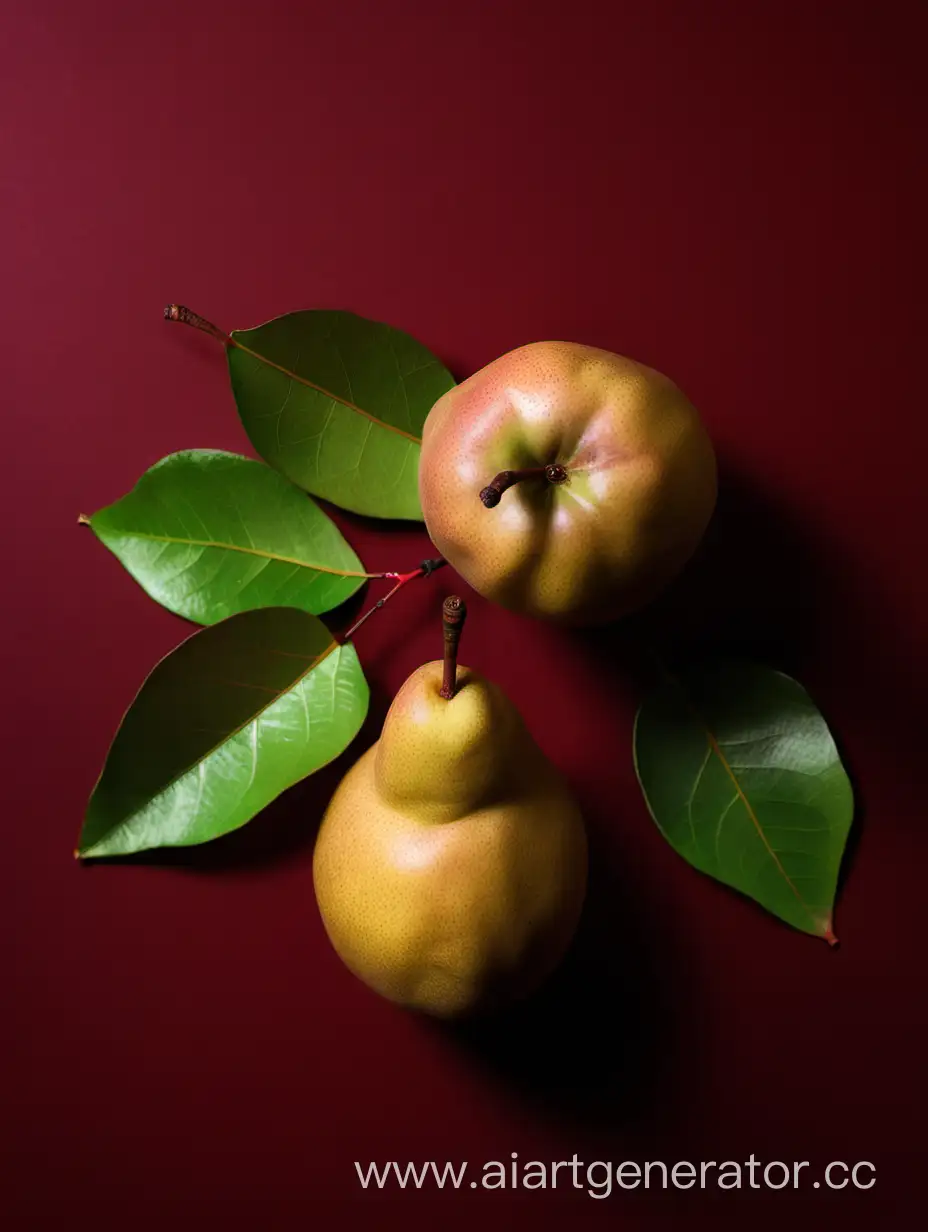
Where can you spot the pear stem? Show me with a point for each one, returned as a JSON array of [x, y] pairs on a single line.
[[402, 579], [492, 493], [453, 615]]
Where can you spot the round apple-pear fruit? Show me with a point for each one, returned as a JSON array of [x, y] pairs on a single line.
[[566, 482]]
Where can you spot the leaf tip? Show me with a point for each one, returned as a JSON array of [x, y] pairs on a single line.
[[83, 520], [829, 935]]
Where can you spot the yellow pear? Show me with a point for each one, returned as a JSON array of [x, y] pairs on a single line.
[[612, 478], [450, 867]]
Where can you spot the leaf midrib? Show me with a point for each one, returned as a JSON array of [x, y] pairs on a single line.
[[235, 547], [726, 765], [333, 645], [327, 393]]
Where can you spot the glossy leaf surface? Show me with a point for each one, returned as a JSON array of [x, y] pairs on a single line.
[[226, 722], [337, 403], [208, 534], [743, 778]]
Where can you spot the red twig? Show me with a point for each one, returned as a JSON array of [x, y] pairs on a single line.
[[402, 579]]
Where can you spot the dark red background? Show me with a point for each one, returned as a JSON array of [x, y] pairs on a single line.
[[727, 191]]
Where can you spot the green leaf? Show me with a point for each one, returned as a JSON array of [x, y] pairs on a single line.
[[337, 403], [743, 778], [236, 714], [209, 534]]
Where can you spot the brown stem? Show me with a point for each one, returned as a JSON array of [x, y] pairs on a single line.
[[492, 493], [402, 579], [453, 615], [186, 316]]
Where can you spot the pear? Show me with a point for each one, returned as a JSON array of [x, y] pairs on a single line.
[[450, 867], [612, 478]]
